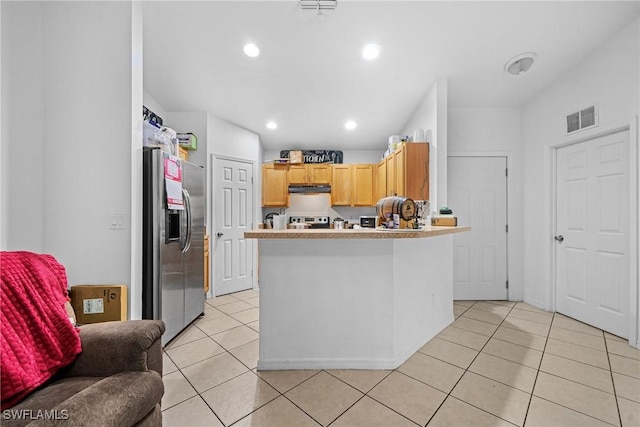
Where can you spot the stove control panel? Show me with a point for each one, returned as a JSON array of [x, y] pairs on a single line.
[[309, 219]]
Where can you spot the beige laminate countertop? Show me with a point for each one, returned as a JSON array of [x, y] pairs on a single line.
[[363, 233]]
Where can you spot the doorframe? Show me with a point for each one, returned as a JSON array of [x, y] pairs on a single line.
[[212, 220], [510, 235], [550, 206]]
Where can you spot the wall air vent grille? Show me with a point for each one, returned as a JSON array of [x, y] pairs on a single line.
[[318, 5], [582, 119]]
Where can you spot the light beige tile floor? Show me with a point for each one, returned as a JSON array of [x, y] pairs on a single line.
[[499, 364]]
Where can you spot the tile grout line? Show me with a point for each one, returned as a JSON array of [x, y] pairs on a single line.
[[535, 381], [383, 404], [569, 380], [613, 383], [395, 370], [467, 370]]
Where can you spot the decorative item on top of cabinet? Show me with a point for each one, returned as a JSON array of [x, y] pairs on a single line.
[[275, 191]]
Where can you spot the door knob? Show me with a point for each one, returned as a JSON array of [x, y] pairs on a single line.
[[219, 235], [559, 238]]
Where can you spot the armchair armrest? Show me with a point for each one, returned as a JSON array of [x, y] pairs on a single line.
[[112, 347]]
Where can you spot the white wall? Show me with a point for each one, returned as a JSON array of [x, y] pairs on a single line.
[[23, 129], [87, 145], [67, 97], [609, 77], [431, 115], [496, 131], [348, 156], [135, 147]]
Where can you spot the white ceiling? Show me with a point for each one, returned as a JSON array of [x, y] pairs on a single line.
[[310, 77]]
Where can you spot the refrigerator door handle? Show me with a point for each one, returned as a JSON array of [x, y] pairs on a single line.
[[187, 206]]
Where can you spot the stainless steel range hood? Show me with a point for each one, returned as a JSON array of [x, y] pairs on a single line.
[[309, 188]]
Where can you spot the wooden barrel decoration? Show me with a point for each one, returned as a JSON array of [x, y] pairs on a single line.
[[403, 206]]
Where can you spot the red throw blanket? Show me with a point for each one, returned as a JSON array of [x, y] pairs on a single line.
[[37, 337]]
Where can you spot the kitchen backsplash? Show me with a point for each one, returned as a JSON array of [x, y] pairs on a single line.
[[320, 205]]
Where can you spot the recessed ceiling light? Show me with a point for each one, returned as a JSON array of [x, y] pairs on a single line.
[[272, 125], [251, 50], [520, 64], [350, 125], [370, 51]]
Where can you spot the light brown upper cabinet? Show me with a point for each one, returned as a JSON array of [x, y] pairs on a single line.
[[352, 185], [275, 189], [407, 171], [310, 174], [362, 176], [341, 187], [381, 180]]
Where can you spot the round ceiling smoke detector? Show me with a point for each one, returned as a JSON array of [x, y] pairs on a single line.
[[520, 64]]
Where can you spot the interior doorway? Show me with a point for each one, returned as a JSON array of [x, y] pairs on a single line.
[[477, 193], [592, 232], [233, 215]]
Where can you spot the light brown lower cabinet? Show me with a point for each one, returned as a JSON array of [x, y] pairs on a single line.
[[206, 263]]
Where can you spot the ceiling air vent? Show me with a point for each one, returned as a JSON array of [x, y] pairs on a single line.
[[318, 5], [582, 119]]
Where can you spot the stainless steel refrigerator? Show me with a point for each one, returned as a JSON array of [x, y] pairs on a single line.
[[173, 246]]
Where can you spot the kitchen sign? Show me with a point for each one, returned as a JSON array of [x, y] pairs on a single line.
[[316, 156]]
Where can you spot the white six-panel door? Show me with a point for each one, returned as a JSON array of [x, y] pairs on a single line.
[[592, 236], [233, 207], [477, 195]]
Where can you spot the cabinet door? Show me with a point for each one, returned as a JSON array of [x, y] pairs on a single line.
[[319, 174], [362, 182], [381, 180], [298, 174], [274, 185], [341, 186], [416, 171], [391, 175], [400, 156]]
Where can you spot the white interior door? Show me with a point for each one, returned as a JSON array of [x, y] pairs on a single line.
[[592, 216], [233, 207], [477, 195]]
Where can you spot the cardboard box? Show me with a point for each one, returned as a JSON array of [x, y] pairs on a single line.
[[444, 221], [295, 156], [99, 303], [187, 141]]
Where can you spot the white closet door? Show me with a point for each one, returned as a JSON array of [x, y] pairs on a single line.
[[592, 235], [477, 195], [233, 207]]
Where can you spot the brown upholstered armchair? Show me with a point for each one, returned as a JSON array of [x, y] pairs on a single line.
[[102, 374], [115, 381]]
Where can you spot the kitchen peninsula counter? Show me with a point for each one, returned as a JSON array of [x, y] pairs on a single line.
[[363, 233], [352, 299]]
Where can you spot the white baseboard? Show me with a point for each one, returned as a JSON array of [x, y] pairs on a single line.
[[337, 363]]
